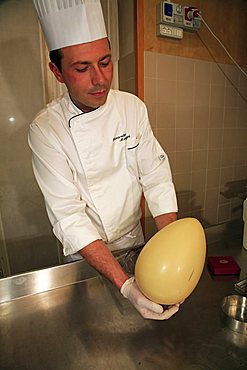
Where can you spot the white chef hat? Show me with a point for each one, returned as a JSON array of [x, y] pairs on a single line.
[[70, 22]]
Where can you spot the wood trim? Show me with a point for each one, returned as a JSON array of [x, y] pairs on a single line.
[[139, 68], [139, 49]]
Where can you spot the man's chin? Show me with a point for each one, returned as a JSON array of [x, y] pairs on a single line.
[[97, 102], [90, 105]]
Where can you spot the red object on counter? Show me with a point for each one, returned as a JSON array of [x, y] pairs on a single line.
[[223, 265]]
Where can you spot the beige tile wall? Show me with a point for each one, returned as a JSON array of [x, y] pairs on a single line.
[[198, 111]]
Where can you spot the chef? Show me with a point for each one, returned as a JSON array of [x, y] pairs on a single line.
[[94, 152]]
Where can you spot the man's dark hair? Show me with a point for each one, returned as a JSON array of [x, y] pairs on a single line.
[[56, 58]]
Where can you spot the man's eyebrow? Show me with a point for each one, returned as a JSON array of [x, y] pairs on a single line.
[[105, 57], [86, 62]]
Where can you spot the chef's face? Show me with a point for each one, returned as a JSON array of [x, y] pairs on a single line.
[[86, 70]]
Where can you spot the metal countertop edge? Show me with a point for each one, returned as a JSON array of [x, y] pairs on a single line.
[[39, 281]]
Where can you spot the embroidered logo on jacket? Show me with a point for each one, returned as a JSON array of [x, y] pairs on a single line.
[[121, 137]]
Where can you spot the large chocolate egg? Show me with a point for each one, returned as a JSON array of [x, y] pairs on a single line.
[[171, 263]]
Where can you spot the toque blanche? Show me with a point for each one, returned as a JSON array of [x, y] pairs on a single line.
[[70, 22]]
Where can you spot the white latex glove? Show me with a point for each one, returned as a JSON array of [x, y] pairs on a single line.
[[147, 308]]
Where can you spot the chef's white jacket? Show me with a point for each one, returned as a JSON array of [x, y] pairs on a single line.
[[93, 167]]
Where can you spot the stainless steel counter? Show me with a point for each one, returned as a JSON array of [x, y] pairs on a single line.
[[84, 323]]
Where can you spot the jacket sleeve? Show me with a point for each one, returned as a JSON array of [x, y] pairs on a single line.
[[154, 171], [65, 208]]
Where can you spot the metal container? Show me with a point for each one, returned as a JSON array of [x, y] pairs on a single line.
[[241, 287], [234, 309]]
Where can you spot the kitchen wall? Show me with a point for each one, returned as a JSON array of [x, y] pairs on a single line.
[[197, 100], [26, 240]]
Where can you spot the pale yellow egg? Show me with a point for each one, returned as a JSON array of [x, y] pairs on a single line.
[[171, 263]]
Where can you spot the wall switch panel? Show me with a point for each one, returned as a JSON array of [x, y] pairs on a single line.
[[177, 15]]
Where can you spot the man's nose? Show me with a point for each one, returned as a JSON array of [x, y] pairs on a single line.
[[97, 76]]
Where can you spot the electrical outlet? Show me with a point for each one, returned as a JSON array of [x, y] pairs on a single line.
[[169, 31], [190, 14]]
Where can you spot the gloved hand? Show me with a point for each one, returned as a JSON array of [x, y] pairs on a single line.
[[147, 308]]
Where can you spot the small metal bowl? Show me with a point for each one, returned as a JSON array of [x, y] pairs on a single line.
[[234, 309]]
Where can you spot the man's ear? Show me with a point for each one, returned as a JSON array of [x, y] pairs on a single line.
[[56, 72]]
